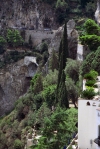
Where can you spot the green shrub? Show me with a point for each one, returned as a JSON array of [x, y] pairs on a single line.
[[93, 41], [49, 95], [31, 118], [50, 79], [18, 144], [36, 84], [92, 75], [90, 82], [88, 93], [91, 27], [86, 65], [44, 47], [38, 99], [96, 61], [13, 38]]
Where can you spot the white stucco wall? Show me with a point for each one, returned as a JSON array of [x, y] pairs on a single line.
[[97, 124], [87, 124], [80, 52]]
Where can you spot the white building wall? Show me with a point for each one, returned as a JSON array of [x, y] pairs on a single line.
[[87, 124], [97, 124]]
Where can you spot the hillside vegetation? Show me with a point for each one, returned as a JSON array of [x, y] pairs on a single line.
[[46, 105]]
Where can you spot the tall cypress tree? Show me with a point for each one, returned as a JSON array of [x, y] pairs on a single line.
[[62, 92], [65, 46], [63, 55]]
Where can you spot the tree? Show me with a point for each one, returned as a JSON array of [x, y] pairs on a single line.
[[91, 36], [91, 27], [18, 144], [93, 41], [84, 2], [49, 95], [53, 61], [43, 48], [62, 94], [96, 61], [86, 65], [72, 90], [58, 129], [50, 79], [63, 55], [90, 9], [36, 84], [61, 8], [13, 38], [92, 62], [72, 69]]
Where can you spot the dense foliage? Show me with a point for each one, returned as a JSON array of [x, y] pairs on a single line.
[[49, 95], [93, 41], [61, 87], [46, 105], [36, 84], [91, 62], [90, 77], [58, 129], [91, 35], [13, 38]]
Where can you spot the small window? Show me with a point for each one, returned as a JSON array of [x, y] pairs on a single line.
[[94, 104], [88, 103]]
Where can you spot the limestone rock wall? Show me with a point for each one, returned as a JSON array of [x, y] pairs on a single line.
[[97, 12], [38, 36], [14, 82], [30, 14], [72, 39]]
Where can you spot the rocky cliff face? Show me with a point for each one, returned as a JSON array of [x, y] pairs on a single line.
[[14, 82], [29, 14], [72, 39], [97, 13]]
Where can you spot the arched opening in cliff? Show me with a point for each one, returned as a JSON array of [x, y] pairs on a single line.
[[47, 23]]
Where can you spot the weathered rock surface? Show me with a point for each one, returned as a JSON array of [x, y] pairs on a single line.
[[30, 14], [72, 39], [38, 36], [14, 82], [97, 13]]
